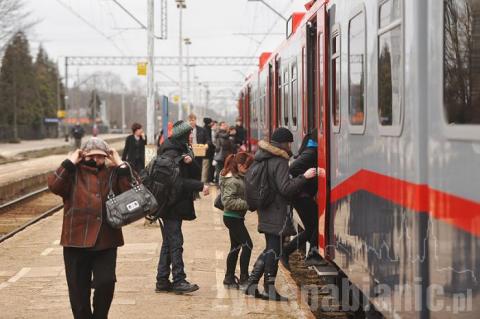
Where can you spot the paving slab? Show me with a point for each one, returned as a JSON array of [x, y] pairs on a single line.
[[32, 282]]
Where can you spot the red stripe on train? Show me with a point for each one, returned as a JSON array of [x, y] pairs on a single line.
[[459, 212]]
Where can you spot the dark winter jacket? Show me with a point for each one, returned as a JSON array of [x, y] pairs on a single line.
[[134, 152], [78, 132], [184, 208], [84, 190], [307, 159], [211, 146], [232, 188], [224, 146], [240, 135], [273, 219], [202, 137]]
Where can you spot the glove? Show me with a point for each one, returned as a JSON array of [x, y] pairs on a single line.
[[214, 163]]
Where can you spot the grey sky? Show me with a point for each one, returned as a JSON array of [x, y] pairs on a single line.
[[210, 24]]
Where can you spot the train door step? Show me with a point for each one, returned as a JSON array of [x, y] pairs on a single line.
[[325, 270]]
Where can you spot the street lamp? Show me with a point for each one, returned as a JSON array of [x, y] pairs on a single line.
[[180, 5], [188, 97]]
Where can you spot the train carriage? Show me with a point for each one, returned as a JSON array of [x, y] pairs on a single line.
[[393, 88]]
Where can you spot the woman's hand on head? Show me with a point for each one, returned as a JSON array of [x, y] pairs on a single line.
[[75, 157], [114, 157]]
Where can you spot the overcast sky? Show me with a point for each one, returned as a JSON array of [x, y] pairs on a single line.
[[210, 24]]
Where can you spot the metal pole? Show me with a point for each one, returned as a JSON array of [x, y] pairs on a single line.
[[150, 75], [188, 97], [180, 67], [65, 118], [123, 113]]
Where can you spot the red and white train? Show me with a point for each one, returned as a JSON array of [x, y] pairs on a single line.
[[393, 87]]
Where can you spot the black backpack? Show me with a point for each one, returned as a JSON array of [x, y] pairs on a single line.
[[258, 191], [162, 179]]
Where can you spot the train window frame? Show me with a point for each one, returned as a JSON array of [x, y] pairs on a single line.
[[285, 97], [396, 129], [358, 129], [452, 131], [335, 33], [293, 103]]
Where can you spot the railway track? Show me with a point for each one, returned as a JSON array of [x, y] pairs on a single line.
[[26, 210]]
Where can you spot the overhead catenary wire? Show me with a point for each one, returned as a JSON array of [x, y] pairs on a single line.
[[93, 27]]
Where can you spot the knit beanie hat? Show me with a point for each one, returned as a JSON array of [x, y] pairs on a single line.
[[180, 129], [282, 135]]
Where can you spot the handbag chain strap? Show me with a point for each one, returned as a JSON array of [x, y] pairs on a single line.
[[133, 182]]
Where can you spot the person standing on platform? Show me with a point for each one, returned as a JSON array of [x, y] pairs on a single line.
[[89, 243], [207, 160], [171, 255], [273, 220], [241, 133], [134, 150], [199, 136], [78, 133], [223, 148]]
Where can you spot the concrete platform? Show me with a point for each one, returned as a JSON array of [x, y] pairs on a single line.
[[20, 177], [33, 285], [48, 146]]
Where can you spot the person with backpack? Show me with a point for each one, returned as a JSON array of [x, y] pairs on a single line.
[[232, 190], [179, 209], [305, 204], [269, 188], [223, 148]]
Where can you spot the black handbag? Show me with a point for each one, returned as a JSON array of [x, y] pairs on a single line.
[[130, 205], [218, 202]]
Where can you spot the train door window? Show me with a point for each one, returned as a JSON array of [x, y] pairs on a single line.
[[335, 77], [306, 110], [356, 72], [271, 89], [390, 67], [311, 70], [279, 94], [294, 96], [461, 62], [285, 99]]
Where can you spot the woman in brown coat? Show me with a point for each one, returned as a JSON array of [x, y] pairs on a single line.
[[89, 243]]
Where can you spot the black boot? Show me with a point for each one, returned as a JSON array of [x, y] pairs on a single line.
[[251, 288], [243, 280], [231, 281], [270, 292]]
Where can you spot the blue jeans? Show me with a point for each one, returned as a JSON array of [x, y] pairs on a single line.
[[171, 254]]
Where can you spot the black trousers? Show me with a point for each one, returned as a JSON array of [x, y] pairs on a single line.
[[271, 254], [239, 240], [307, 210], [171, 254], [80, 265]]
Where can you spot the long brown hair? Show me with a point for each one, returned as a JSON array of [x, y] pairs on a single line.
[[232, 161]]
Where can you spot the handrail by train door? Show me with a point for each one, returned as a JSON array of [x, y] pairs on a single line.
[[323, 134]]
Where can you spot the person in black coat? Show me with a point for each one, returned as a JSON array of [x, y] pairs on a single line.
[[171, 254], [274, 219], [134, 149], [305, 203], [199, 137], [207, 160]]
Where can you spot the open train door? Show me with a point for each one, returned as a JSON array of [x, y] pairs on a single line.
[[323, 199]]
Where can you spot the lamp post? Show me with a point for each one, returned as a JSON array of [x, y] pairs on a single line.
[[180, 5], [188, 97]]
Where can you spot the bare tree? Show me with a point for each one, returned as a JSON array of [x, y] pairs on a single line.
[[13, 18]]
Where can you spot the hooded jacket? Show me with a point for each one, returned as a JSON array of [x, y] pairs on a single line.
[[183, 209], [274, 218], [305, 160]]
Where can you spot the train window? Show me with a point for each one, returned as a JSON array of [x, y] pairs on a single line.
[[335, 82], [279, 94], [356, 70], [390, 66], [294, 96], [285, 97], [461, 62]]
